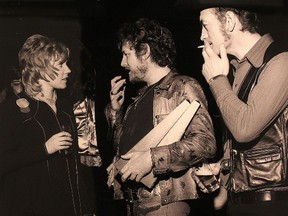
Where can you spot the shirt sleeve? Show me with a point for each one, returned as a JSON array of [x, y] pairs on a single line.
[[266, 100]]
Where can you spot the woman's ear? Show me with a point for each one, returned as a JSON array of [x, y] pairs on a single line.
[[230, 21]]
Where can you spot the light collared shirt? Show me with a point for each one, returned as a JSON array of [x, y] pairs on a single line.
[[266, 100]]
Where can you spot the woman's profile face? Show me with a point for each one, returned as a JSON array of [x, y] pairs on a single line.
[[62, 70]]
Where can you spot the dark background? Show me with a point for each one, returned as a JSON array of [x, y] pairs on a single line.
[[93, 24]]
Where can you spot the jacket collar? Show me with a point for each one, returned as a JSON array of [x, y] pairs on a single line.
[[167, 80]]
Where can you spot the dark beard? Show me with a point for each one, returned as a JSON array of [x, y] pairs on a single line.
[[141, 73]]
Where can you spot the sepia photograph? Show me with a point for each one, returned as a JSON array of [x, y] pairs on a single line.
[[143, 107]]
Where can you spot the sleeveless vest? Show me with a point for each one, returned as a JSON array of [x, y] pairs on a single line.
[[261, 163]]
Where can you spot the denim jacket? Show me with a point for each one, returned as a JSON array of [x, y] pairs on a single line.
[[173, 162]]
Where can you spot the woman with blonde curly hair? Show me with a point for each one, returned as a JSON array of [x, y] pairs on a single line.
[[38, 138]]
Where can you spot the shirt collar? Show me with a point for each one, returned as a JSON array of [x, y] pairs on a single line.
[[256, 54]]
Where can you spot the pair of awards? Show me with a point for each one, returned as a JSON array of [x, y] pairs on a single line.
[[168, 131]]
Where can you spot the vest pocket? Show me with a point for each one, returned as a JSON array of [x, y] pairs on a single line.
[[264, 166]]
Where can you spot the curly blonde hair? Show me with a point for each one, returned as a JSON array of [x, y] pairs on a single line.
[[36, 59]]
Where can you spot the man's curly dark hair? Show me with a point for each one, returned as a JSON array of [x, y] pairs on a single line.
[[159, 39]]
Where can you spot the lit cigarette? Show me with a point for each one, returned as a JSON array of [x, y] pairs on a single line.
[[200, 47]]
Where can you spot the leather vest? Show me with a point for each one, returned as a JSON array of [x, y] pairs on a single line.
[[261, 163]]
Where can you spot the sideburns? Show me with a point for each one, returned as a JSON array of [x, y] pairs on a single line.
[[142, 70], [225, 34]]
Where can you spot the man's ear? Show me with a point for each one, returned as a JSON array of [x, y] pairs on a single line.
[[145, 53], [230, 21]]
